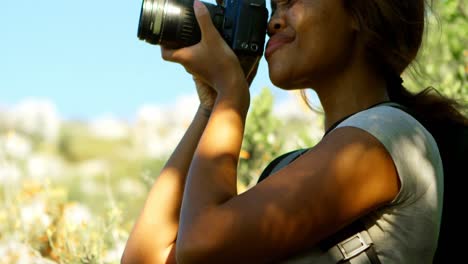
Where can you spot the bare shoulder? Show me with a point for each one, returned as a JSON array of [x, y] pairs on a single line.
[[356, 166], [348, 174]]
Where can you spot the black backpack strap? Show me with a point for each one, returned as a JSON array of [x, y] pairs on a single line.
[[280, 162]]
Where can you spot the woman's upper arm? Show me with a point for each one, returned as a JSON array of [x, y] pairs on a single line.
[[166, 256], [346, 175]]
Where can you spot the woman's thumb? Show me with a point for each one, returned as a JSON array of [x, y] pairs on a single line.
[[203, 18]]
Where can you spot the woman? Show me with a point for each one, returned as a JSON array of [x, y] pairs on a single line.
[[376, 162]]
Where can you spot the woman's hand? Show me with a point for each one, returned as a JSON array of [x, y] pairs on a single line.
[[210, 61], [253, 72], [206, 94]]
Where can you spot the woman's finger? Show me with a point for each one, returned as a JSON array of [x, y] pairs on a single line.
[[253, 73], [203, 17], [167, 54], [176, 55]]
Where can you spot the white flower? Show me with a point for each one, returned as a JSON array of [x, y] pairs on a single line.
[[131, 187], [37, 118], [13, 252], [41, 166], [114, 255], [151, 117], [90, 187], [108, 127], [184, 109], [15, 146], [9, 173], [271, 138], [158, 129], [91, 168], [75, 215], [34, 216], [152, 146]]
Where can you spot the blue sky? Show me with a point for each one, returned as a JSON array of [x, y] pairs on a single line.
[[86, 58]]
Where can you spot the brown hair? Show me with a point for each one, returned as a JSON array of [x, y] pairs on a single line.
[[393, 32]]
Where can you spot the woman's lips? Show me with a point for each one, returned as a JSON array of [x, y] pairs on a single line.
[[275, 43]]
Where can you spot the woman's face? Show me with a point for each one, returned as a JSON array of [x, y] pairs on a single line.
[[310, 41]]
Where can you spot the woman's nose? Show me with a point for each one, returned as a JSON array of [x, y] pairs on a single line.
[[275, 24]]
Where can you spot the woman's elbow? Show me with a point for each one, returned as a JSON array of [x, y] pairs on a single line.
[[186, 255], [150, 255], [131, 256], [199, 250]]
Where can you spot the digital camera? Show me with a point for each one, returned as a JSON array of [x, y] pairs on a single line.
[[172, 23]]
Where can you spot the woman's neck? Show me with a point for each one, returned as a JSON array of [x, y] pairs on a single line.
[[351, 93]]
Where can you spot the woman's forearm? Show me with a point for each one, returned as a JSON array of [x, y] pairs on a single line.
[[212, 176], [156, 227]]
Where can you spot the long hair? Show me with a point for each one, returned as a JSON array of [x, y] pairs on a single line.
[[393, 33]]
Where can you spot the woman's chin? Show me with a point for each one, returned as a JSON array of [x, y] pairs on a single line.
[[277, 76], [281, 80]]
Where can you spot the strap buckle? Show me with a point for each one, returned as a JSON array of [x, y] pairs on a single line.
[[353, 246]]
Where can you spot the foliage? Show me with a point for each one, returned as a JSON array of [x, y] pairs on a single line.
[[77, 144], [267, 136], [443, 61], [261, 140], [72, 213], [55, 230]]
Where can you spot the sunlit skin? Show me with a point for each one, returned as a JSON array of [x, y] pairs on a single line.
[[316, 42], [346, 175], [322, 51]]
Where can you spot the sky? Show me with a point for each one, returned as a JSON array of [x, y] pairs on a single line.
[[86, 58]]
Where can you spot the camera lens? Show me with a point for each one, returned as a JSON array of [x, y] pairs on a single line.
[[150, 25], [171, 23]]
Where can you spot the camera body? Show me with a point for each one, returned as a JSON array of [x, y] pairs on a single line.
[[245, 25], [172, 23]]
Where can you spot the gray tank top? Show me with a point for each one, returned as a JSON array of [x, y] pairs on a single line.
[[407, 229]]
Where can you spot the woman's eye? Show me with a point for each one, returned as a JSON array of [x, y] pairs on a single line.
[[284, 2], [280, 4]]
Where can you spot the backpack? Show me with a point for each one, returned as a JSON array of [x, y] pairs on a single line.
[[454, 155], [353, 241], [454, 194]]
